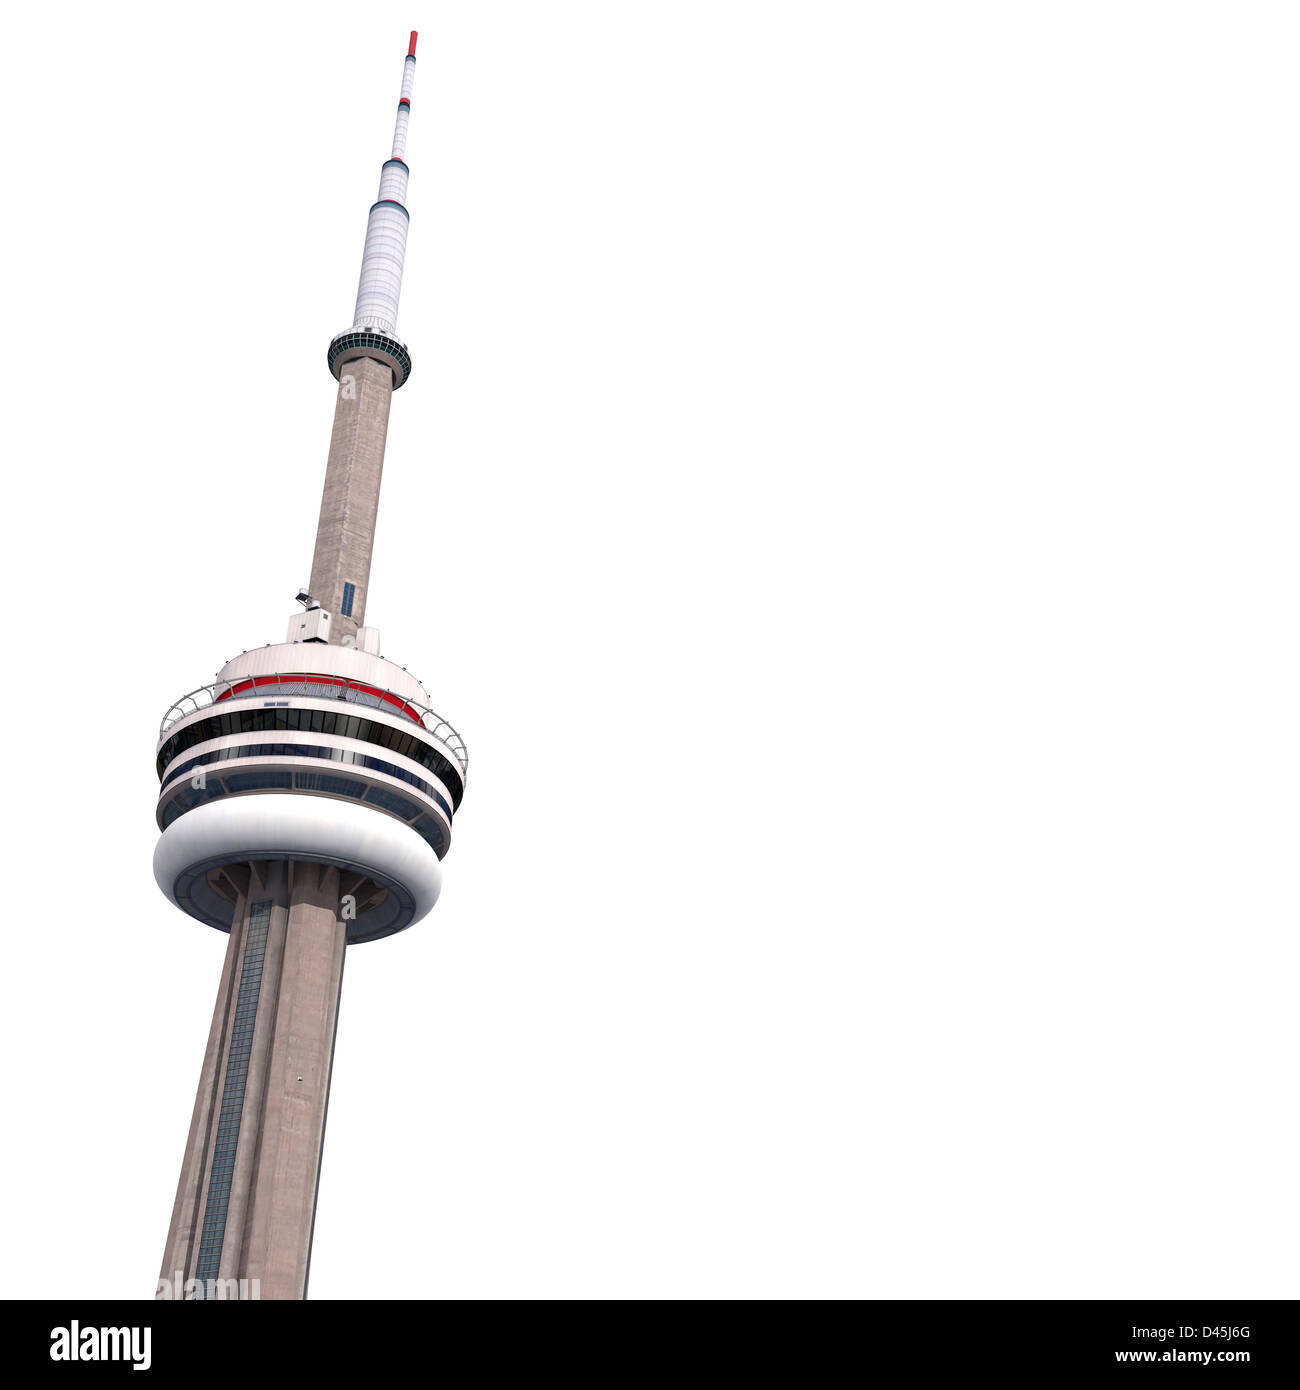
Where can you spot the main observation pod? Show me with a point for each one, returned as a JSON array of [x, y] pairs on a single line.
[[374, 321], [309, 753]]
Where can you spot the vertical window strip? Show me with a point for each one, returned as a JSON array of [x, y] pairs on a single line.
[[232, 1098], [349, 594]]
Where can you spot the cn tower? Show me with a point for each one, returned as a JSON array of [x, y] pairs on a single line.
[[305, 806]]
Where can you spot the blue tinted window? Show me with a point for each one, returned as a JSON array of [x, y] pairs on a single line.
[[247, 721], [307, 781], [232, 1095], [390, 801], [258, 781]]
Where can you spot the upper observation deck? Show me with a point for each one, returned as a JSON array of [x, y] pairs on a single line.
[[292, 671]]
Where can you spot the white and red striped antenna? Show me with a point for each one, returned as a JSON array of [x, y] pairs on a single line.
[[380, 286]]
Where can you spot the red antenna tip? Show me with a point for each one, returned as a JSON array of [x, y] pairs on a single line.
[[410, 52]]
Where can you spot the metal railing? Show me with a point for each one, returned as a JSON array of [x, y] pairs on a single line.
[[317, 686]]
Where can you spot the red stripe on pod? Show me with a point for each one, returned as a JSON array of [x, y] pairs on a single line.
[[256, 682]]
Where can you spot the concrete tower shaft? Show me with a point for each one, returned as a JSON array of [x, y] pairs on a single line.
[[349, 507], [246, 1201]]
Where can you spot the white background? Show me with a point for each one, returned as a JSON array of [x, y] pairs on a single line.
[[847, 499]]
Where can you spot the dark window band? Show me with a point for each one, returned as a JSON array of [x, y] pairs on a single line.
[[232, 1097], [310, 750], [315, 721]]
